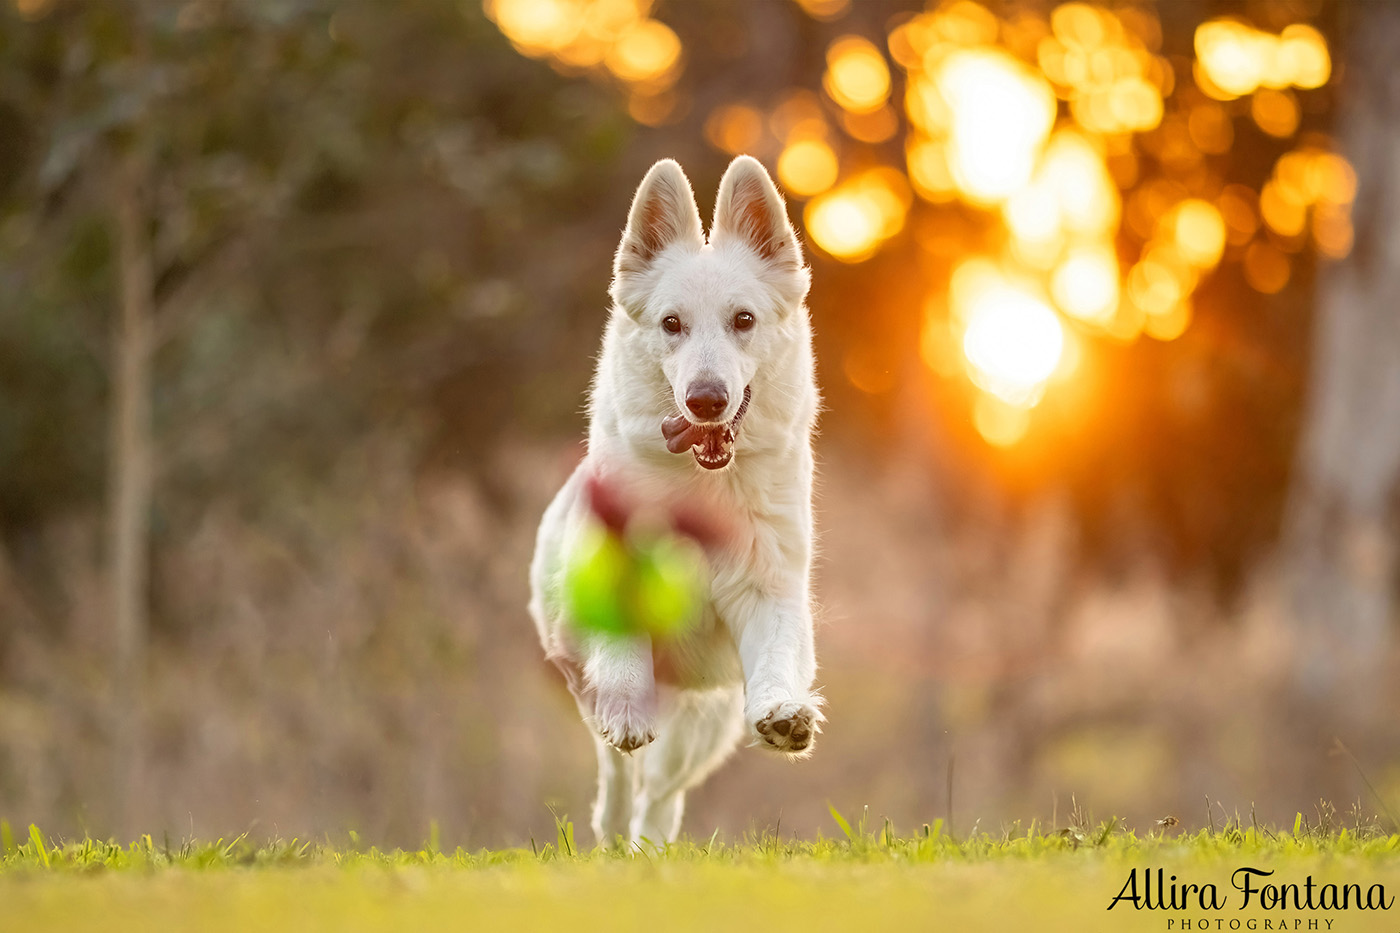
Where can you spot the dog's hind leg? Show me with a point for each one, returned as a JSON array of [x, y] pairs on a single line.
[[617, 785], [696, 734]]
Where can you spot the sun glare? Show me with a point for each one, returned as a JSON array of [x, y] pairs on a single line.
[[1001, 113], [1085, 285], [1012, 341]]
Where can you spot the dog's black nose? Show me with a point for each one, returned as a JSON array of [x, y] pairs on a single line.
[[706, 400]]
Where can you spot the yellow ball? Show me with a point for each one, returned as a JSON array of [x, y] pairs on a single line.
[[619, 587]]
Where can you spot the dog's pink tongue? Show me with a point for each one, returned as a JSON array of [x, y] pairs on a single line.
[[680, 434]]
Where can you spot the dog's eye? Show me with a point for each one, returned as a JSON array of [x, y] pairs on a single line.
[[671, 324], [744, 320]]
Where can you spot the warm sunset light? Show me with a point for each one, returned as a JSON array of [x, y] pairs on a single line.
[[845, 223], [537, 27], [852, 220], [735, 128], [856, 76], [1111, 80], [1085, 285], [1000, 423], [1012, 340], [1079, 154], [1001, 112], [824, 9], [1199, 231], [645, 51], [650, 464], [807, 167], [1238, 59], [592, 34], [1074, 170]]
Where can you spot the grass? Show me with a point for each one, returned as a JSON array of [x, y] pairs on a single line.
[[864, 878]]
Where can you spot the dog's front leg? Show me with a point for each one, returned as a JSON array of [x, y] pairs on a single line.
[[775, 639], [619, 674]]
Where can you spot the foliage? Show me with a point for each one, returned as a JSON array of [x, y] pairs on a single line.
[[329, 240]]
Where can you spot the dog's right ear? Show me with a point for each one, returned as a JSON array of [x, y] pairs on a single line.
[[663, 214]]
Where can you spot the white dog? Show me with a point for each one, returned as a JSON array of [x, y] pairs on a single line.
[[704, 397]]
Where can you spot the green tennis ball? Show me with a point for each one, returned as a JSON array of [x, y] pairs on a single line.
[[669, 585], [593, 583], [618, 587]]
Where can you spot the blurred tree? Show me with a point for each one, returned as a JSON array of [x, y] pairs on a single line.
[[1340, 545], [294, 226]]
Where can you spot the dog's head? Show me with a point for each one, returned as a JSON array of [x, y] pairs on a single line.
[[712, 312]]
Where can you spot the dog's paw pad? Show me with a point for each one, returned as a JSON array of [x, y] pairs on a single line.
[[789, 727]]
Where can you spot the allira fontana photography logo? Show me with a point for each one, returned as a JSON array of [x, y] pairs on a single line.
[[1275, 904]]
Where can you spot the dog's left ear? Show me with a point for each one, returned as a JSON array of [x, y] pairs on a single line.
[[750, 210]]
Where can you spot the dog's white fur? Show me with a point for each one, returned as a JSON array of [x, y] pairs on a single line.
[[750, 664]]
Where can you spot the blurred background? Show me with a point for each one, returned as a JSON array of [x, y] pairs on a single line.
[[298, 304]]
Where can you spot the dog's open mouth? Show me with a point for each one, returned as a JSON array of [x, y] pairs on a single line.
[[713, 443]]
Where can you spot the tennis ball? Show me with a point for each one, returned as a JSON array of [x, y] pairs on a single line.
[[616, 586], [669, 585], [593, 582]]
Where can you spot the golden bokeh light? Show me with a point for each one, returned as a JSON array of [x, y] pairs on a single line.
[[1012, 339], [537, 27], [1275, 112], [1304, 57], [852, 220], [1112, 81], [825, 9], [845, 224], [1033, 215], [1170, 324], [928, 169], [807, 167], [1266, 268], [1209, 127], [645, 51], [1199, 231], [1058, 142], [857, 77], [1237, 208], [1074, 169], [1330, 179], [1085, 285], [1235, 59], [1156, 284], [1000, 423], [32, 10], [1283, 209], [735, 128], [591, 34], [1331, 230], [873, 127], [1001, 112], [938, 347]]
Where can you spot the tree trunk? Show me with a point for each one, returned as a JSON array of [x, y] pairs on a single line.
[[130, 475], [1339, 544]]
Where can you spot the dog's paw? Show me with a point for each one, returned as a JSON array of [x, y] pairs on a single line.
[[626, 723], [790, 727]]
